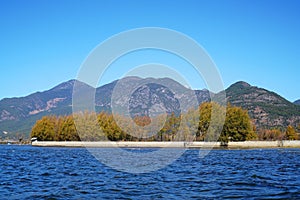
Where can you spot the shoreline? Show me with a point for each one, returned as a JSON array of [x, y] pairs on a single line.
[[127, 144]]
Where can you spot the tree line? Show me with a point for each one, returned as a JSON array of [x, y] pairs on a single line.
[[194, 125], [290, 133]]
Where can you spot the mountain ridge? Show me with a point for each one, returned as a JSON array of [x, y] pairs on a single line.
[[266, 108]]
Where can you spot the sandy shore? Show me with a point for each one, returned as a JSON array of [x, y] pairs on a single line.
[[111, 144]]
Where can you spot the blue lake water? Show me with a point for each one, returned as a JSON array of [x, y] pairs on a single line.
[[73, 173]]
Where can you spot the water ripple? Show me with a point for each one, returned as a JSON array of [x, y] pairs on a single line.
[[72, 173]]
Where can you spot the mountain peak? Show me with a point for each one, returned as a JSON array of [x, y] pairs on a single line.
[[65, 85], [241, 85], [267, 108]]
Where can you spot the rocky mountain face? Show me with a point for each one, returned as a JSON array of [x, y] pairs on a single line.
[[18, 108], [138, 97], [266, 108], [135, 96], [17, 115]]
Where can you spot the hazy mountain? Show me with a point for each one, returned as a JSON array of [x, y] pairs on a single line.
[[268, 109], [297, 102]]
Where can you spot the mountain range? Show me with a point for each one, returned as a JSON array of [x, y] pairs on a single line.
[[266, 108]]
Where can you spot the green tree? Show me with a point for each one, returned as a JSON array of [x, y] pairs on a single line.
[[60, 135], [87, 126], [189, 126], [45, 128], [67, 130], [110, 128], [237, 125], [204, 121], [298, 128], [290, 133], [210, 129]]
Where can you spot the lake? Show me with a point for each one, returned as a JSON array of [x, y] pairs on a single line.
[[73, 173]]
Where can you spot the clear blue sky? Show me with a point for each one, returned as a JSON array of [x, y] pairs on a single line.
[[43, 43]]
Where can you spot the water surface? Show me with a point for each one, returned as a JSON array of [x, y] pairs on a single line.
[[73, 173]]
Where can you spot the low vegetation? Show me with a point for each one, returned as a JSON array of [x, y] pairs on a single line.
[[279, 134]]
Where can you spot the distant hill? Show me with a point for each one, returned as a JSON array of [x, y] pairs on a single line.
[[268, 109], [19, 114], [297, 102]]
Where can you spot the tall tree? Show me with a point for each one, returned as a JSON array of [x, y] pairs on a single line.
[[210, 129], [237, 125], [290, 133], [68, 130], [45, 128]]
